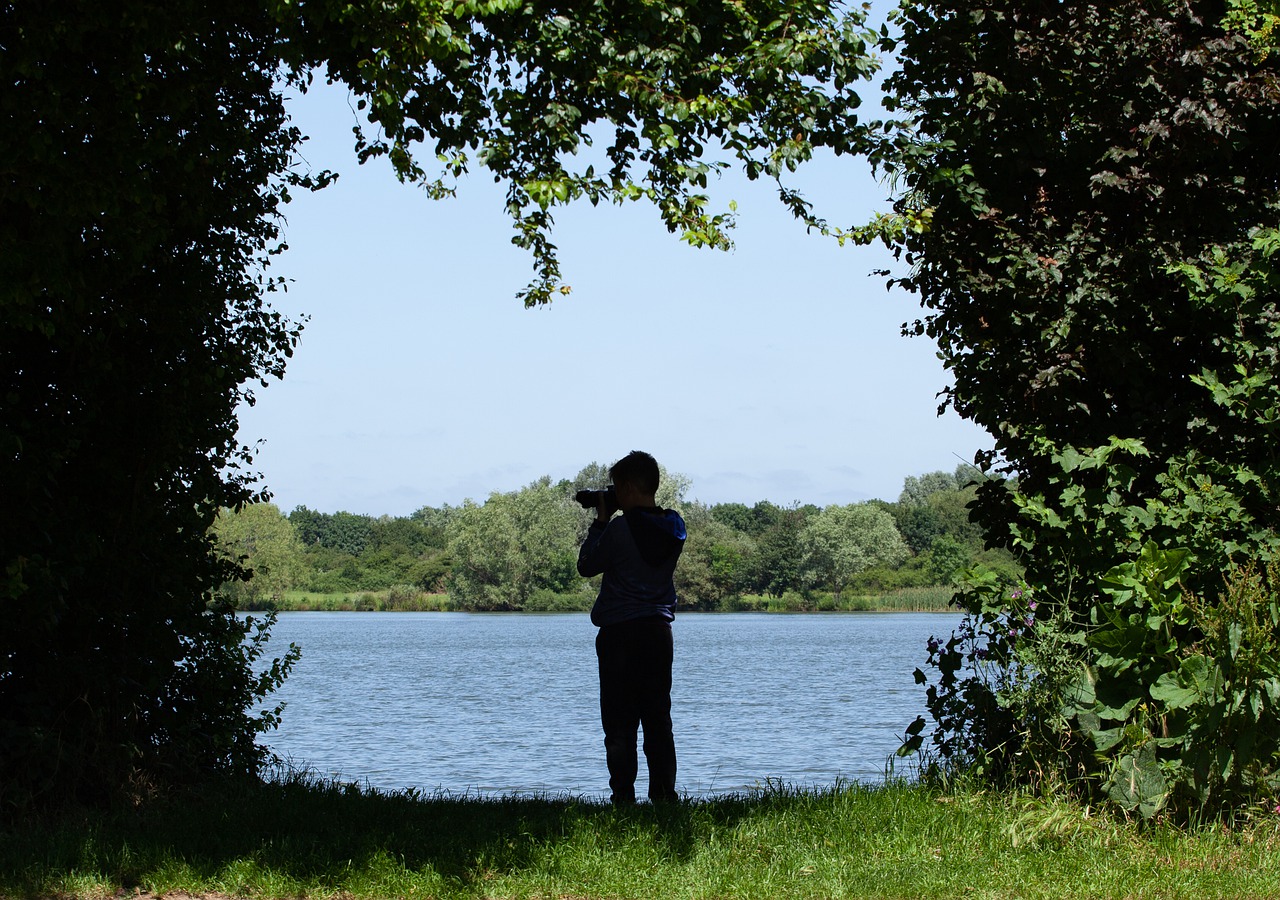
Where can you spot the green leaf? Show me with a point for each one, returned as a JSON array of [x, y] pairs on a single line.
[[1170, 691], [1106, 739], [1079, 693], [1138, 784], [1117, 713]]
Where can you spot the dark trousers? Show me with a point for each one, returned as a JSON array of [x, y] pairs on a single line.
[[635, 691]]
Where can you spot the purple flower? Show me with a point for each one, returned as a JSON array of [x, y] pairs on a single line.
[[1032, 605], [1029, 621], [1016, 594]]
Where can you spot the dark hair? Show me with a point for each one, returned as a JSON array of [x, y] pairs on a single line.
[[637, 468]]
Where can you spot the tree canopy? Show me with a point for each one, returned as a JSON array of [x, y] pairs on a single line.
[[603, 101], [146, 152], [1087, 172], [1089, 208], [518, 550], [265, 542], [146, 156], [841, 541]]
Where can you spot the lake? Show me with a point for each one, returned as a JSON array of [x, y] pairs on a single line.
[[492, 704]]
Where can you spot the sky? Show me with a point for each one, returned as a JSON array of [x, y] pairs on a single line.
[[775, 371]]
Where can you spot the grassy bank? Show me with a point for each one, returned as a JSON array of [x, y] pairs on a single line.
[[363, 601], [918, 599], [304, 840], [921, 599]]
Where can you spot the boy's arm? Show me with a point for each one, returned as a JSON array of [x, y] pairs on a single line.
[[593, 555]]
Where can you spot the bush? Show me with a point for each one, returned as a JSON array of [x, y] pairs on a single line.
[[547, 600], [402, 596], [996, 698], [1166, 702], [877, 579], [1204, 736]]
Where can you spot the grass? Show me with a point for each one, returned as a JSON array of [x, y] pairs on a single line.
[[916, 599], [304, 839], [362, 601], [919, 599]]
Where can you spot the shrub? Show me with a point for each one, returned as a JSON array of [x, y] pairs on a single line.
[[1163, 701], [402, 596], [547, 600]]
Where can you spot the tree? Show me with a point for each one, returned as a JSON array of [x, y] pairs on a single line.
[[947, 557], [263, 542], [513, 545], [435, 520], [736, 515], [672, 487], [933, 505], [349, 552], [528, 90], [347, 532], [916, 490], [778, 550], [309, 525], [406, 535], [1088, 210], [766, 515], [145, 154], [146, 157], [841, 541], [919, 526], [715, 562], [1094, 152]]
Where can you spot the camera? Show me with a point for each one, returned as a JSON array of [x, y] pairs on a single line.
[[591, 499]]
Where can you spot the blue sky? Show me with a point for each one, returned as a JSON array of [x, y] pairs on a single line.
[[772, 372]]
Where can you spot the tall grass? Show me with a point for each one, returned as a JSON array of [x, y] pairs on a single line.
[[363, 601], [300, 838], [936, 598], [916, 599], [407, 599]]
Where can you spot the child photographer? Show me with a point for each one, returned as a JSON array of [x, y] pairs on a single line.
[[636, 553]]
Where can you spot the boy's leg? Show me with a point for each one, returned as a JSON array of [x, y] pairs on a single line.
[[619, 714], [655, 710]]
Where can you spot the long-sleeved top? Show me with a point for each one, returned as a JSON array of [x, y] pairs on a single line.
[[637, 554]]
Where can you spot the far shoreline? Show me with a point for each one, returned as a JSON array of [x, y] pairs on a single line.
[[936, 599]]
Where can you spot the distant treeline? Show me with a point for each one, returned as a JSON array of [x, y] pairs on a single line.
[[518, 550]]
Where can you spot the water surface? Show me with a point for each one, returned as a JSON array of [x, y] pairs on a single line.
[[501, 704]]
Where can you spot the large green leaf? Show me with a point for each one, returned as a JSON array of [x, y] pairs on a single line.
[[1138, 784], [1197, 680], [1170, 691]]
